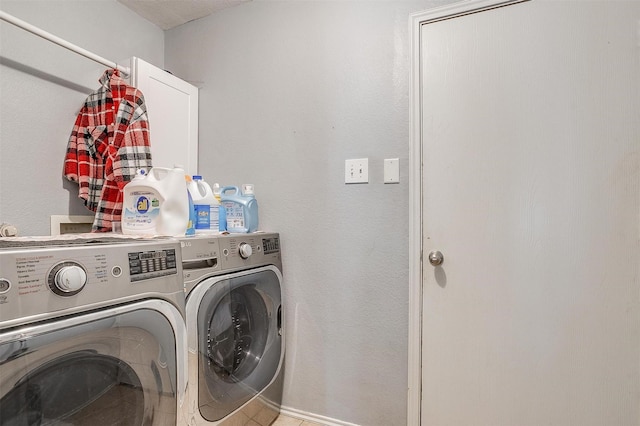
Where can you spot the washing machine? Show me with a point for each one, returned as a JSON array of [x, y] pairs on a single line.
[[234, 328], [92, 332]]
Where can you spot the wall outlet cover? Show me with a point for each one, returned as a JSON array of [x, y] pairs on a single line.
[[392, 170]]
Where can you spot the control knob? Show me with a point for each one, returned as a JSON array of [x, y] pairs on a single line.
[[245, 250], [68, 279]]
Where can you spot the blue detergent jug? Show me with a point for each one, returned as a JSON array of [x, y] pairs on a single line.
[[241, 208]]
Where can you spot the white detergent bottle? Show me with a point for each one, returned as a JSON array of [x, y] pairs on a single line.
[[206, 206], [241, 209], [156, 203]]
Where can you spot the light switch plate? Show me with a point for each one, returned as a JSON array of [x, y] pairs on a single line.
[[356, 170], [392, 170]]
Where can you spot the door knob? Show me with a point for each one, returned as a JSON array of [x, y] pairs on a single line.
[[436, 258]]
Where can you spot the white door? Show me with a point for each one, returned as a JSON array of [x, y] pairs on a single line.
[[172, 107], [531, 190]]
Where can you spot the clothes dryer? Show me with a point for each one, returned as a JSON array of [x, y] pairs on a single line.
[[91, 332], [234, 328]]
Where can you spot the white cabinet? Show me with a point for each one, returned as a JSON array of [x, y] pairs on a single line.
[[172, 106]]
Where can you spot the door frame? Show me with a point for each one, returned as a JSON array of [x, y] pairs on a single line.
[[416, 21]]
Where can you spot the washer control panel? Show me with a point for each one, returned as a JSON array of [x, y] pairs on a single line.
[[144, 265], [271, 245], [5, 285], [38, 281], [242, 250], [67, 278], [210, 255]]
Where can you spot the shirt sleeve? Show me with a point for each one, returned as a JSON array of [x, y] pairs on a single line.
[[135, 151], [70, 171]]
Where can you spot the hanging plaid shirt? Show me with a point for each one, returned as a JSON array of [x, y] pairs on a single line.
[[109, 142]]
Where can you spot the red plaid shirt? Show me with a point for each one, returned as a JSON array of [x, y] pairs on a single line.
[[109, 142]]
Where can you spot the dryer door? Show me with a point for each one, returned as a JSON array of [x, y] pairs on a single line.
[[239, 339], [113, 367]]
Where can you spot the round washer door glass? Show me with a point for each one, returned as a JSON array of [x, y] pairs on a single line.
[[118, 369], [239, 341]]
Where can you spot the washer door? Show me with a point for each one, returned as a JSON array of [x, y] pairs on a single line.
[[113, 367], [239, 340]]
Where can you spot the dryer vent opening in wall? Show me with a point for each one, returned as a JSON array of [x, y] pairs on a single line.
[[65, 224]]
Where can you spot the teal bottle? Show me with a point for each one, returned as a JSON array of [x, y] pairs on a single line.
[[241, 208]]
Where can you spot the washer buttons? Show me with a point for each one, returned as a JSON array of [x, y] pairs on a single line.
[[116, 271], [5, 285]]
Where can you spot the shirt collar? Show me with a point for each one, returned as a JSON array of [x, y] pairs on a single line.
[[111, 78]]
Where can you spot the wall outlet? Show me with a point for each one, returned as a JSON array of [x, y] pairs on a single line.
[[356, 171]]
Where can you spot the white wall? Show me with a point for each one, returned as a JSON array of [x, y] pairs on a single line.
[[288, 91], [43, 86]]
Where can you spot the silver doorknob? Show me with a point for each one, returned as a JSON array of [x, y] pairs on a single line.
[[436, 258]]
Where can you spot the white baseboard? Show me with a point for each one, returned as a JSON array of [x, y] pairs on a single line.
[[316, 418]]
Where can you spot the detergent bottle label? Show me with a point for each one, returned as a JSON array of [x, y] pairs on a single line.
[[235, 215], [214, 217], [142, 210], [203, 216]]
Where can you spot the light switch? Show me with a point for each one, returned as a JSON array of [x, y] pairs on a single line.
[[356, 171], [392, 170]]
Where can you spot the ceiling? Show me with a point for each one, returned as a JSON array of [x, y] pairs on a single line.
[[168, 14]]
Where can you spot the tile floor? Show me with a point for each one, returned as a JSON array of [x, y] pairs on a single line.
[[290, 421]]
